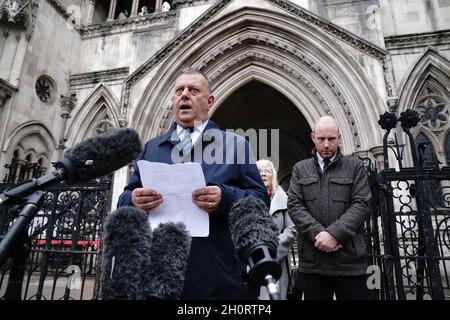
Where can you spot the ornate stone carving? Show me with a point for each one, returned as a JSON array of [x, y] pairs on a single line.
[[336, 31], [104, 125], [5, 94], [417, 40], [97, 76], [165, 117], [392, 103], [67, 104], [305, 15], [123, 122], [6, 91], [189, 3], [388, 73], [252, 38], [19, 12], [129, 24], [434, 112]]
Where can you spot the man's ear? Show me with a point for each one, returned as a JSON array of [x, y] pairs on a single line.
[[312, 136], [211, 100]]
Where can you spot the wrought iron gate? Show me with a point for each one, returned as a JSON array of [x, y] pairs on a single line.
[[408, 233], [65, 243]]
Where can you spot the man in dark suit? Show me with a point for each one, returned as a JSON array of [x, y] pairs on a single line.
[[213, 271]]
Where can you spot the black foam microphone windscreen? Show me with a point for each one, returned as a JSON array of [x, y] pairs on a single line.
[[102, 154], [92, 158], [249, 222], [169, 255], [126, 254], [254, 235]]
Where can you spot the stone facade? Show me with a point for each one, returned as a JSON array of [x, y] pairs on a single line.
[[72, 68]]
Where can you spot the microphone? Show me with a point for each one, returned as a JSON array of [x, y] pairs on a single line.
[[126, 254], [254, 235], [168, 256], [92, 158]]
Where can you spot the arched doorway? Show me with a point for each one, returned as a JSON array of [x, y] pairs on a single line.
[[258, 106]]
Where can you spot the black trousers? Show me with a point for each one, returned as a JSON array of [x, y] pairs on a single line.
[[318, 287]]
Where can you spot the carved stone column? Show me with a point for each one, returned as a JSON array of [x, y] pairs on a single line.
[[90, 8], [112, 10], [134, 8], [392, 103], [158, 5], [67, 104], [20, 13]]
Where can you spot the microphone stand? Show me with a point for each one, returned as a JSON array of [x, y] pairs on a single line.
[[18, 243], [271, 287]]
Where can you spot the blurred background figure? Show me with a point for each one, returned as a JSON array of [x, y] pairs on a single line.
[[286, 228]]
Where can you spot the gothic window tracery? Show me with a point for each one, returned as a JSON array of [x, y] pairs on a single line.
[[30, 159], [45, 89], [433, 106], [433, 111], [103, 126]]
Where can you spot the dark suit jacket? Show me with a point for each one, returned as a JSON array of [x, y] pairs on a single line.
[[213, 271]]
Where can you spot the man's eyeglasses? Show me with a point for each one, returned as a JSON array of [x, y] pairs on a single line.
[[267, 172]]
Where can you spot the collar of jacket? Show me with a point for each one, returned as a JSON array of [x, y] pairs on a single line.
[[167, 137], [339, 155], [279, 201]]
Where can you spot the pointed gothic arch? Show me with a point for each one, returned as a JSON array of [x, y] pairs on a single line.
[[299, 59], [424, 89], [100, 108], [431, 152], [431, 70], [31, 141]]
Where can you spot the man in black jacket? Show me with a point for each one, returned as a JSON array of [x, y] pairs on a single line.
[[328, 203]]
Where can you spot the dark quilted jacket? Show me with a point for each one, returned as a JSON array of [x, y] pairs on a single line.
[[335, 201]]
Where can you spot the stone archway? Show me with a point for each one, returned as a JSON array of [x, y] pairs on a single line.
[[258, 106], [274, 47]]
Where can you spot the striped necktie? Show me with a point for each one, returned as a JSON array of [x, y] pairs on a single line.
[[186, 140]]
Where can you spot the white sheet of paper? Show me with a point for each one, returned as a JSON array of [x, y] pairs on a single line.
[[176, 182]]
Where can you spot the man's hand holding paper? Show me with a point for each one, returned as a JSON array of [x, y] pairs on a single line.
[[146, 199], [176, 193], [207, 198]]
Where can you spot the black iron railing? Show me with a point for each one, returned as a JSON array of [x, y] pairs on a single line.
[[408, 233], [65, 242]]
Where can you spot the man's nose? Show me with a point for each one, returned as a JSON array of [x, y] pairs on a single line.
[[185, 92]]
